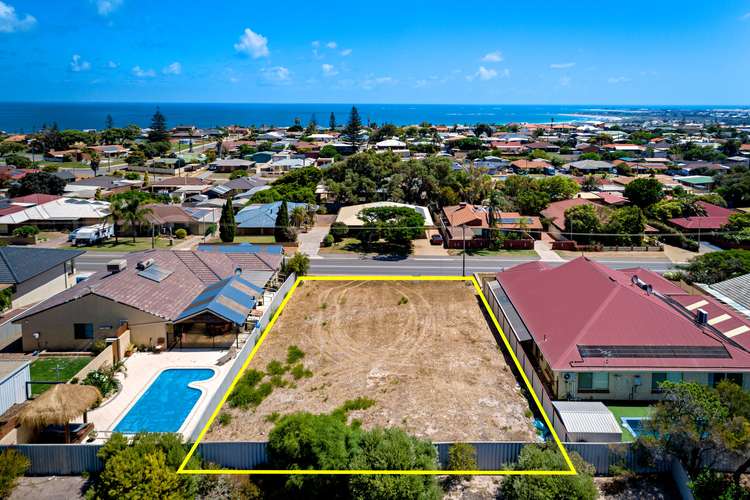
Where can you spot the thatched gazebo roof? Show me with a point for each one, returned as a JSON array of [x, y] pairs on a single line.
[[59, 404]]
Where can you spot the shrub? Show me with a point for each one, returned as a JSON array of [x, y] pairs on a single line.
[[180, 234], [98, 346], [103, 379], [238, 174], [328, 240], [339, 230], [225, 418], [403, 300], [294, 354], [146, 468], [245, 396], [25, 231], [355, 404], [711, 485], [533, 487], [299, 371], [299, 264], [12, 466], [275, 368], [462, 456]]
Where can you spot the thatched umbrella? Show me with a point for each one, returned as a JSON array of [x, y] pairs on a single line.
[[59, 405]]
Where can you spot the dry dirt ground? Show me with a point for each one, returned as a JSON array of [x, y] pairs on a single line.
[[422, 350]]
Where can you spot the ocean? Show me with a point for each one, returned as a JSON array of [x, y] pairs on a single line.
[[22, 117]]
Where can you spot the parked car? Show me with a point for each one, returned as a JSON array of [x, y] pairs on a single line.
[[436, 239]]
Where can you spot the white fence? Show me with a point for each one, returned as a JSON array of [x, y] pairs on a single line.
[[243, 354]]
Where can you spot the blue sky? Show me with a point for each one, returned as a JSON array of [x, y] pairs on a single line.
[[549, 52]]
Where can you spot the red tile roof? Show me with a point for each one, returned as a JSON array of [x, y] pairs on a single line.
[[715, 218], [583, 303], [556, 210], [36, 199], [471, 215]]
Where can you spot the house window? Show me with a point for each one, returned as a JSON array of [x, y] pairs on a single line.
[[715, 378], [83, 331], [659, 377], [593, 382]]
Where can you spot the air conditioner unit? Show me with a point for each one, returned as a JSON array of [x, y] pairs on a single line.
[[117, 265]]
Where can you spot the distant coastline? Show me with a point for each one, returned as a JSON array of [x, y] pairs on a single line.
[[29, 117]]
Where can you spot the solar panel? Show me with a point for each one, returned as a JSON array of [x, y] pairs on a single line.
[[155, 273], [659, 351]]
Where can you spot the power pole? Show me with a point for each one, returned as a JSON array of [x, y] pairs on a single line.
[[463, 254]]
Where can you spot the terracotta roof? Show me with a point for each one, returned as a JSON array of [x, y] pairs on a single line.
[[715, 218], [35, 199], [471, 215], [587, 305], [530, 164], [190, 271], [180, 181], [556, 210]]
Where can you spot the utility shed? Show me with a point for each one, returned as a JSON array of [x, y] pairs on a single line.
[[588, 421], [13, 378]]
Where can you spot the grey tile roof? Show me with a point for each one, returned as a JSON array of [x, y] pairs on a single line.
[[736, 289], [191, 273], [19, 264]]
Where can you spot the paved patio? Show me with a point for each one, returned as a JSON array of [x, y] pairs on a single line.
[[142, 370]]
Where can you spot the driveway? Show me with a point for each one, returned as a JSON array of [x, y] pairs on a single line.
[[309, 242], [422, 247]]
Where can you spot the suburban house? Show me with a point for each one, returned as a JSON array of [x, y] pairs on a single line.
[[714, 218], [230, 165], [531, 167], [261, 218], [617, 334], [589, 166], [469, 225], [163, 297], [234, 187], [105, 184], [168, 218], [181, 187], [58, 214], [555, 214]]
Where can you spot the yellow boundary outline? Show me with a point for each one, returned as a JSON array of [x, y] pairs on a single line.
[[472, 279]]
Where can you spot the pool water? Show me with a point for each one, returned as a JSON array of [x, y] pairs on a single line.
[[166, 403], [635, 425]]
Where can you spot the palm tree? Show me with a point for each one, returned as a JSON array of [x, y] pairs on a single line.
[[299, 216], [116, 215], [135, 214]]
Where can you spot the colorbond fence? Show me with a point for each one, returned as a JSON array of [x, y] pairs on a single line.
[[242, 355], [75, 459]]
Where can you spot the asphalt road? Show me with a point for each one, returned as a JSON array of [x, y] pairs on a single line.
[[414, 266]]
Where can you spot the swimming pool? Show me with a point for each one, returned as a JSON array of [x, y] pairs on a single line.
[[635, 425], [166, 403]]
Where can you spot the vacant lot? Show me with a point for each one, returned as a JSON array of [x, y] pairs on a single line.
[[422, 350]]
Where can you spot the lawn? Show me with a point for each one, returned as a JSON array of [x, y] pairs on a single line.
[[126, 245], [628, 411], [258, 240], [59, 369], [353, 245], [69, 164]]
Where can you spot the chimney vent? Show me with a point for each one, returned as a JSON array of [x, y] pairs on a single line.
[[116, 265]]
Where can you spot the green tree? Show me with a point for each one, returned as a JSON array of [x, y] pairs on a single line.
[[353, 128], [644, 192], [628, 223], [109, 123], [339, 230], [12, 466], [332, 121], [462, 456], [298, 216], [328, 151], [537, 487], [136, 157], [734, 187], [713, 267], [558, 187], [281, 228], [116, 216], [227, 224], [158, 132], [396, 225], [134, 214], [18, 161], [8, 147], [532, 202], [37, 182], [582, 222]]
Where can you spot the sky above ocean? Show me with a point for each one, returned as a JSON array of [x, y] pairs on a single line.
[[634, 52]]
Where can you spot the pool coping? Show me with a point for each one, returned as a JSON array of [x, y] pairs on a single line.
[[193, 385]]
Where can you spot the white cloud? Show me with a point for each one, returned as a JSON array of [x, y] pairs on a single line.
[[486, 74], [346, 52], [371, 83], [332, 45], [494, 57], [173, 69], [562, 65], [11, 22], [112, 65], [745, 17], [278, 74], [106, 7], [617, 79], [77, 64], [329, 70], [252, 44], [143, 73], [565, 81]]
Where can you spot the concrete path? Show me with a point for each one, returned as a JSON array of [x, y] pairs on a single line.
[[546, 254], [309, 242], [49, 488]]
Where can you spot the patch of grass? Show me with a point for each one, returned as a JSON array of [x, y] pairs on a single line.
[[628, 411], [258, 240], [355, 404], [324, 306], [273, 417], [126, 245], [294, 354], [403, 300], [57, 369], [278, 381], [225, 418], [276, 368], [299, 371]]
